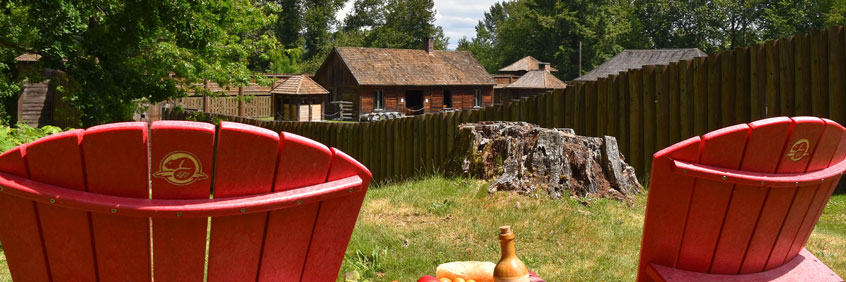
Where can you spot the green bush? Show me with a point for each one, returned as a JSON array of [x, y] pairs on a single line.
[[22, 133]]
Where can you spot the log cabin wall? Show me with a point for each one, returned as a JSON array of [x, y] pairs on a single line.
[[462, 97]]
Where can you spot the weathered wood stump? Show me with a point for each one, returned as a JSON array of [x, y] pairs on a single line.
[[524, 158]]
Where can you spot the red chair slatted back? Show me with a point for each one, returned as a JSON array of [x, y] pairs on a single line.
[[178, 160], [720, 227]]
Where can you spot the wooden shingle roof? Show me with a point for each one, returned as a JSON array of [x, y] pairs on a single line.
[[299, 85], [412, 67], [538, 80], [635, 59], [527, 63]]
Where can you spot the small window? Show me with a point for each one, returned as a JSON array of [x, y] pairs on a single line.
[[477, 98], [379, 100], [447, 99]]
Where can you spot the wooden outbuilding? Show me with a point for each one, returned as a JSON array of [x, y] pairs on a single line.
[[299, 98], [531, 83], [405, 81], [524, 65], [635, 59]]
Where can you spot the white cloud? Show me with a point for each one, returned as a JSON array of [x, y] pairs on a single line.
[[457, 17]]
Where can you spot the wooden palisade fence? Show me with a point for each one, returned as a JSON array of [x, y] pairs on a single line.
[[646, 109]]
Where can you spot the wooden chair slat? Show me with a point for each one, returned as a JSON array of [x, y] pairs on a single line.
[[778, 201], [116, 163], [710, 199], [245, 164], [289, 231], [663, 226], [181, 168], [819, 158], [21, 235], [57, 160], [824, 192], [766, 136], [335, 222]]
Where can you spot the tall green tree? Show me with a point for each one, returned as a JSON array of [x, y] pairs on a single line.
[[552, 30], [393, 24], [117, 52]]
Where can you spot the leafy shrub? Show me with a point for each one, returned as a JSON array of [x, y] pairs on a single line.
[[22, 133]]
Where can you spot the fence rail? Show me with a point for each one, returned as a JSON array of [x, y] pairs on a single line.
[[646, 109]]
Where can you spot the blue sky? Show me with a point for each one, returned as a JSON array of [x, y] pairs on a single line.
[[457, 17]]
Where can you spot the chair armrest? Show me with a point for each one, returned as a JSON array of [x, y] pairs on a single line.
[[167, 208], [758, 179]]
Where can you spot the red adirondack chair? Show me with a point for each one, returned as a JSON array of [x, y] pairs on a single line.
[[739, 203], [112, 203]]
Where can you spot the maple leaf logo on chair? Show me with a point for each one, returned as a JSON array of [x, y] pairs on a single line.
[[180, 168]]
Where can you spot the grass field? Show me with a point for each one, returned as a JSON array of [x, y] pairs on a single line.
[[405, 230]]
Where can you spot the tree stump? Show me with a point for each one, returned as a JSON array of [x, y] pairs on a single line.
[[524, 158]]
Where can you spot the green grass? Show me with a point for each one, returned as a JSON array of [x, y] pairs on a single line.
[[405, 230]]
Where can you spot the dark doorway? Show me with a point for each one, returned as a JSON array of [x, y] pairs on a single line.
[[447, 99], [414, 102]]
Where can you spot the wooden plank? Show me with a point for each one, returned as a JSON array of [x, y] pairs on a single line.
[[727, 88], [741, 86], [787, 99], [772, 85], [384, 149], [714, 92], [436, 141], [116, 163], [836, 75], [611, 111], [558, 108], [21, 234], [802, 75], [442, 143], [302, 162], [746, 201], [818, 46], [235, 244], [419, 144], [544, 113], [674, 118], [430, 142], [181, 162], [579, 112], [452, 130], [757, 83], [662, 108], [506, 112], [622, 85], [390, 149], [685, 99], [590, 109], [549, 113], [710, 199], [649, 115], [636, 153], [57, 160], [601, 97], [570, 106], [700, 95]]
